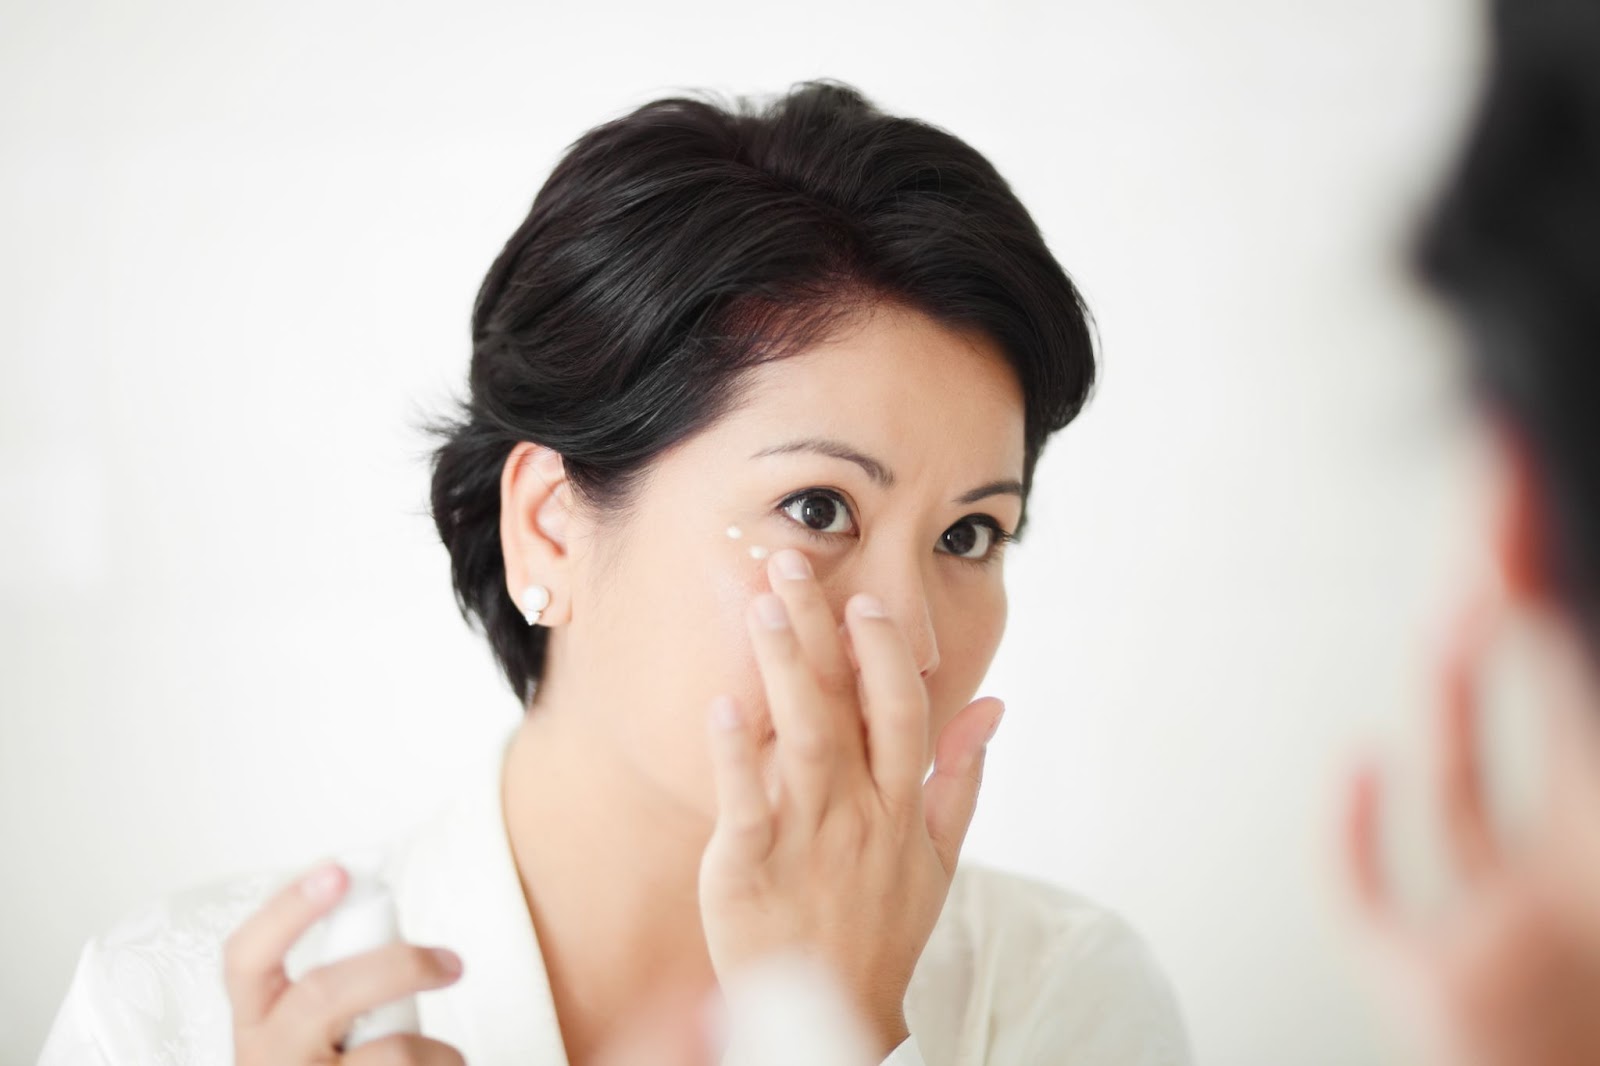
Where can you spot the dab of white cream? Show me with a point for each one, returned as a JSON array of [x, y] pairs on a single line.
[[756, 550]]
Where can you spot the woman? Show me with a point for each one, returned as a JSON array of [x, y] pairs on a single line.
[[1508, 974], [755, 403]]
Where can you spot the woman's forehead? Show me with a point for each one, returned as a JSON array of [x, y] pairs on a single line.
[[899, 442], [900, 370]]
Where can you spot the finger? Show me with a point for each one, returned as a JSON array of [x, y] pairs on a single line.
[[322, 1004], [1468, 832], [404, 1047], [252, 958], [950, 795], [895, 703], [817, 631], [849, 648], [1360, 837], [1569, 713], [744, 815], [813, 620], [806, 726]]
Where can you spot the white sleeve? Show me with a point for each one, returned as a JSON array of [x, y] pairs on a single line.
[[906, 1053], [1108, 1004], [74, 1036]]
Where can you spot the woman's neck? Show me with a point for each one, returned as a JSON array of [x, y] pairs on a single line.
[[609, 869]]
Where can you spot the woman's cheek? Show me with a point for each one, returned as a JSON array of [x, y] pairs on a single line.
[[737, 577], [968, 646]]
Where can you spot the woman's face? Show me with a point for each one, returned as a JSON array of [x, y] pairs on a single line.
[[885, 456]]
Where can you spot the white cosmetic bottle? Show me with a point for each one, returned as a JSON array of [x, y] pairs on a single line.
[[365, 919]]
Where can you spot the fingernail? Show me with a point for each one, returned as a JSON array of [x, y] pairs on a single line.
[[449, 961], [769, 609], [868, 606], [792, 565], [322, 883], [724, 715]]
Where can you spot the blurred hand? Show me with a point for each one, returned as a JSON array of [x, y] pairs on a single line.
[[851, 859], [1509, 974], [277, 1022], [672, 1029], [782, 1010]]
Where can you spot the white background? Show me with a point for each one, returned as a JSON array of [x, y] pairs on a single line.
[[238, 248]]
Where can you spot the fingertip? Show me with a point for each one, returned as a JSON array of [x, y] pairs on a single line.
[[994, 722], [449, 962], [324, 883]]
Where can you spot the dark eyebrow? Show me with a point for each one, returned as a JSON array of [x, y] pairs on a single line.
[[880, 473], [1007, 487], [838, 450]]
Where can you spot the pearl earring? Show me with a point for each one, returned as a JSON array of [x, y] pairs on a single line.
[[535, 598]]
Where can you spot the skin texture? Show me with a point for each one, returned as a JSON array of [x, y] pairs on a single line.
[[1508, 972], [612, 794]]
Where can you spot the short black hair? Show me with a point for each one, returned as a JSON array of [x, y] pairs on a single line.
[[681, 244], [1514, 243]]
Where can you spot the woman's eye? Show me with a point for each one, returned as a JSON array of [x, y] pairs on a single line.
[[968, 538], [819, 512]]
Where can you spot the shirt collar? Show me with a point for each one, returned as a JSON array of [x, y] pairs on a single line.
[[456, 886]]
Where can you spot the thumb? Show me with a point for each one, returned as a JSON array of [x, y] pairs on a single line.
[[950, 795]]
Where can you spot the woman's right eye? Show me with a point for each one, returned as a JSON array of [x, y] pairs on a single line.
[[822, 513]]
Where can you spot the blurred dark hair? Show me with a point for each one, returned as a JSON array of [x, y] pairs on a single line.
[[683, 243], [1514, 243]]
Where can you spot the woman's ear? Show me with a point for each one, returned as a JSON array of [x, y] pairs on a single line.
[[535, 504]]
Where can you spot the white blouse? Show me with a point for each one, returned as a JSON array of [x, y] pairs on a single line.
[[1016, 972]]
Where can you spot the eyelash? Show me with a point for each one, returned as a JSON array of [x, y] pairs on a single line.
[[1000, 536]]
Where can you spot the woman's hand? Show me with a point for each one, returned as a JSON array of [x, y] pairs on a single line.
[[1510, 974], [850, 857], [277, 1022]]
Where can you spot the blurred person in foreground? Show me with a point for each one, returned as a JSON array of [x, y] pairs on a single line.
[[1507, 971]]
